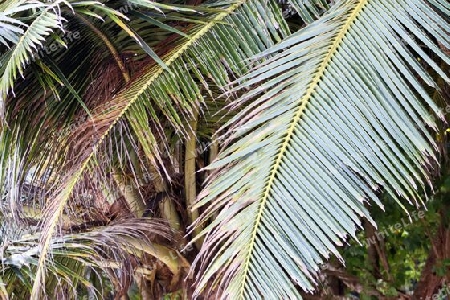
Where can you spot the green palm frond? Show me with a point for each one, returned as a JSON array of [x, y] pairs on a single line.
[[336, 114], [48, 20], [27, 42], [10, 28], [75, 60]]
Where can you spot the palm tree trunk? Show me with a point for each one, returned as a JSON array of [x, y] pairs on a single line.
[[190, 181], [131, 195], [166, 206]]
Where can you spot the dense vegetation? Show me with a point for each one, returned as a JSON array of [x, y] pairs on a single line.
[[224, 149]]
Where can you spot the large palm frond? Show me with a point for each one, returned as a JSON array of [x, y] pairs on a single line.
[[341, 113]]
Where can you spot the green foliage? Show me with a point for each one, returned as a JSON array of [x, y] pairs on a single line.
[[313, 126], [407, 244]]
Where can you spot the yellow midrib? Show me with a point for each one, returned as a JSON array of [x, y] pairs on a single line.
[[303, 102], [77, 175]]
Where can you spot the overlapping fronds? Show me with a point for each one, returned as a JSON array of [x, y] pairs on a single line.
[[29, 36], [214, 50], [68, 65], [169, 93], [75, 255], [338, 113], [103, 251]]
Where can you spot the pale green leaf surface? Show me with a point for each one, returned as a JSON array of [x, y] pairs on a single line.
[[336, 114]]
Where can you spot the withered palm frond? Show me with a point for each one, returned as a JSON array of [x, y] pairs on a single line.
[[110, 253]]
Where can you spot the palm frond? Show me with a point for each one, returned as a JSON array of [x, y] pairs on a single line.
[[336, 114], [74, 60], [11, 28], [31, 39]]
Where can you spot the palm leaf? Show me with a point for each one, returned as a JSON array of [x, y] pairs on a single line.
[[11, 28], [31, 39], [74, 61], [337, 114]]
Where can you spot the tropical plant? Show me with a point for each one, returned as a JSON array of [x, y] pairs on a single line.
[[309, 110]]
